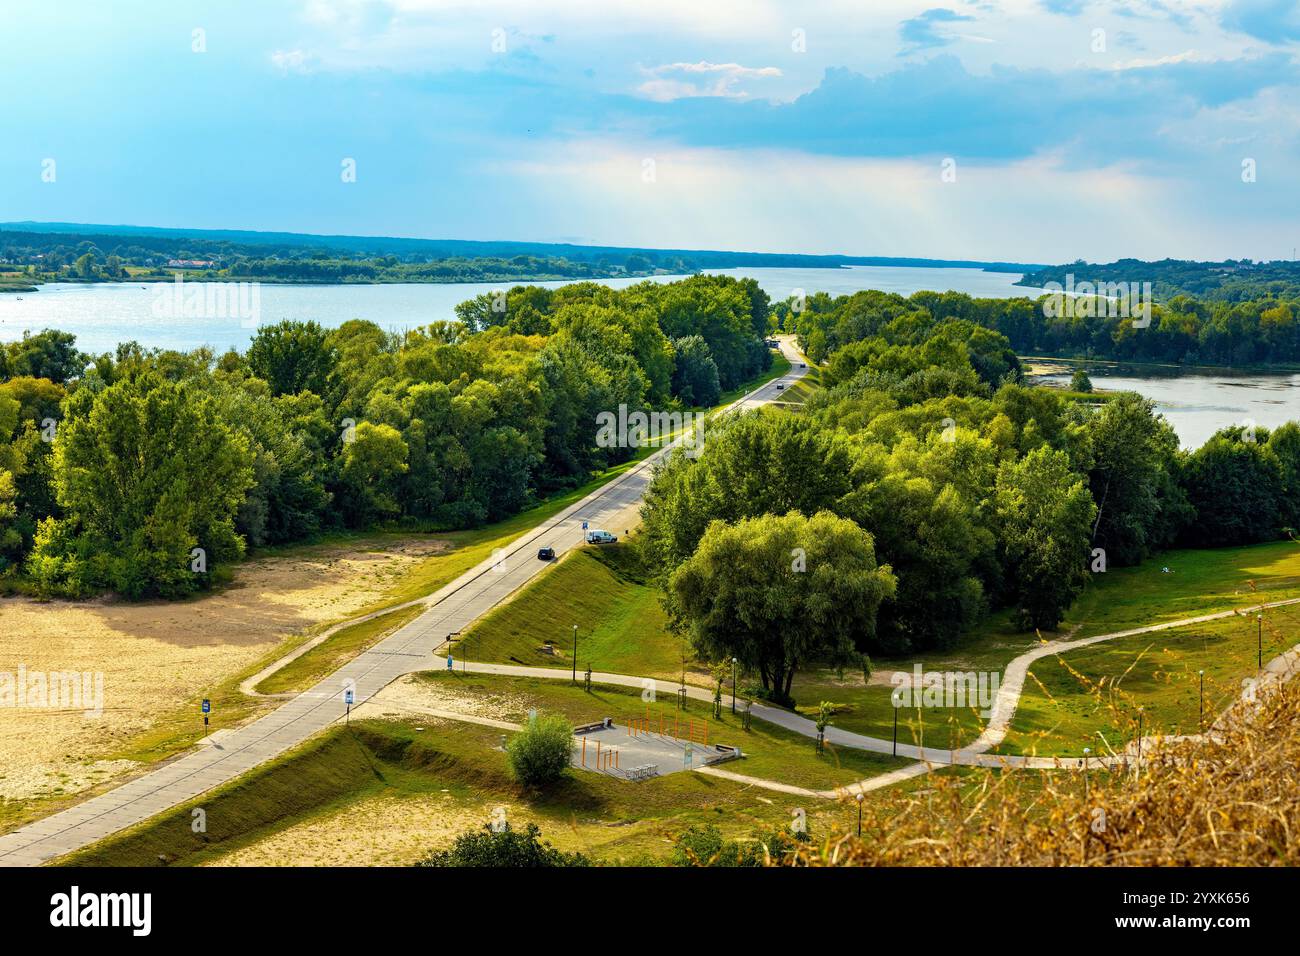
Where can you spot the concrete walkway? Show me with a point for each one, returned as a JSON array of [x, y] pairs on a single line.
[[615, 507]]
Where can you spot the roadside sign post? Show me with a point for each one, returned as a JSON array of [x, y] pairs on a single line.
[[207, 709], [348, 697]]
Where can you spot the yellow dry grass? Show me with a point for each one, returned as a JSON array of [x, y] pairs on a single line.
[[155, 656]]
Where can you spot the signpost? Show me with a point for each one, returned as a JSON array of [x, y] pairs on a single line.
[[207, 709], [348, 697]]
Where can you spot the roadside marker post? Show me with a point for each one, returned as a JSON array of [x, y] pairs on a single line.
[[347, 699], [207, 709]]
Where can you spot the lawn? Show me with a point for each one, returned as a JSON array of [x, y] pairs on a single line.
[[416, 765], [771, 752], [1200, 582], [622, 627], [1090, 697]]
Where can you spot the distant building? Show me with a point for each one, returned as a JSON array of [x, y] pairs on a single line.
[[190, 263]]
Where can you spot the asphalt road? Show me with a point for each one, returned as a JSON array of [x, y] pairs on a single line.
[[613, 507]]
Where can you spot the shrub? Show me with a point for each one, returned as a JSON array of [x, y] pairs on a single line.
[[505, 847], [539, 754]]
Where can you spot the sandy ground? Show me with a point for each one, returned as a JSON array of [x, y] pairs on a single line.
[[380, 831], [157, 656], [446, 697]]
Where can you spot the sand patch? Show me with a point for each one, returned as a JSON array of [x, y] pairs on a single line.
[[379, 831], [157, 656], [446, 696]]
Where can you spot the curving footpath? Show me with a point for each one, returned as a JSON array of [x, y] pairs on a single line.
[[614, 506], [976, 754]]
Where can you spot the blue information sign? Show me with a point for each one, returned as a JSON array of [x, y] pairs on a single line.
[[207, 706], [347, 697]]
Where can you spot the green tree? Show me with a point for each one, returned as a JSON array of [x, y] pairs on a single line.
[[695, 374], [145, 471], [371, 464], [292, 357], [540, 754], [778, 592], [1044, 514], [1080, 382]]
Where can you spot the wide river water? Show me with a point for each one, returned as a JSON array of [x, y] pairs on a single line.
[[105, 314], [1196, 404], [1199, 403]]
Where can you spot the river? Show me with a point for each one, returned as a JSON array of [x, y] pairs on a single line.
[[105, 314], [1200, 402]]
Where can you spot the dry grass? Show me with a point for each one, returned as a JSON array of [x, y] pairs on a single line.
[[1229, 800]]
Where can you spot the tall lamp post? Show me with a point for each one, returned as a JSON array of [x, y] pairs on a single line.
[[734, 662], [1259, 640], [575, 653], [1139, 754], [859, 799], [1202, 717], [1086, 751]]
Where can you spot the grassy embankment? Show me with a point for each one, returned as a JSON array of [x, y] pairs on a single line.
[[461, 764]]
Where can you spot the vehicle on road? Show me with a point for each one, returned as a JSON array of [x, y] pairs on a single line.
[[546, 554], [597, 536]]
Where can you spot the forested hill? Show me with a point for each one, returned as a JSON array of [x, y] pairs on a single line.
[[1228, 281], [281, 256]]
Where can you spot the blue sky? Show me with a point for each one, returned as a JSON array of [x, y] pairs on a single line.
[[1075, 129]]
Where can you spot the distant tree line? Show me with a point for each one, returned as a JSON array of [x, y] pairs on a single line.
[[1263, 329], [1234, 280], [144, 471]]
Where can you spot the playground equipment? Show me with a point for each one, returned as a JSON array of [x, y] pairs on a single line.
[[696, 731]]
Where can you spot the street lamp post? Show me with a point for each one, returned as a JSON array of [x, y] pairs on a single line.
[[1086, 751], [859, 799], [1139, 753], [734, 662], [1259, 640], [895, 731], [575, 653], [1201, 720]]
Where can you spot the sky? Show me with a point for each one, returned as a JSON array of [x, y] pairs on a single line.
[[1020, 130]]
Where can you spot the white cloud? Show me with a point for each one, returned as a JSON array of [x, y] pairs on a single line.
[[722, 80], [1036, 210], [292, 61]]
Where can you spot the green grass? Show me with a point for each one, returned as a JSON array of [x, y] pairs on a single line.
[[1090, 697], [622, 627], [771, 752], [1201, 582], [325, 658], [611, 820], [624, 630]]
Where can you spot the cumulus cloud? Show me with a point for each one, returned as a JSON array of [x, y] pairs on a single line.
[[672, 81]]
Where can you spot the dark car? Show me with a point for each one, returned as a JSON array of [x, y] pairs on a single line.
[[545, 554]]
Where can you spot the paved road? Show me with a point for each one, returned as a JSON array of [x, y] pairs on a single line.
[[613, 507]]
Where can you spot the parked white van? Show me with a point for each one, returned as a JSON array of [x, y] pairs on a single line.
[[596, 536]]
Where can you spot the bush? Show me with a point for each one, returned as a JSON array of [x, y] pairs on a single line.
[[539, 754], [705, 846], [1080, 382], [505, 847]]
